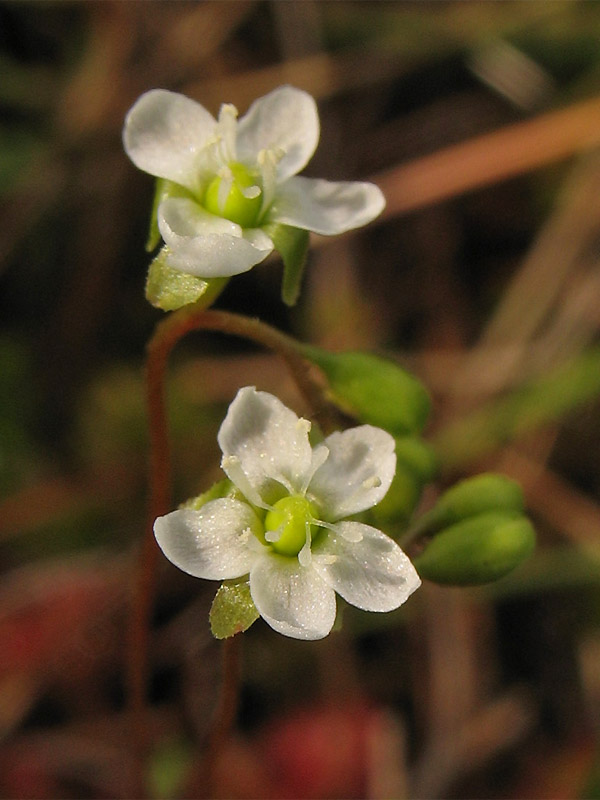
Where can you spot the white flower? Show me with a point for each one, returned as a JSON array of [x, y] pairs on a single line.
[[236, 177], [290, 535]]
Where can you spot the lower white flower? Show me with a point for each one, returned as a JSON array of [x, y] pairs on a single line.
[[290, 536]]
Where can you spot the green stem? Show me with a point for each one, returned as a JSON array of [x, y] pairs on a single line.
[[168, 332]]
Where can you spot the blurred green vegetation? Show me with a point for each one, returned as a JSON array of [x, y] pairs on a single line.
[[490, 294]]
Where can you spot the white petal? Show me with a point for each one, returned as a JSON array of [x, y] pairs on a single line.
[[163, 134], [214, 542], [206, 245], [284, 120], [357, 474], [324, 206], [269, 441], [292, 599], [373, 574]]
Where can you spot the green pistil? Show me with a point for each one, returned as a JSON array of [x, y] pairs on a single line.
[[236, 206], [291, 516]]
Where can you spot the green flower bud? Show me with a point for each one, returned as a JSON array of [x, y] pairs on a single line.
[[473, 496], [235, 196], [373, 390], [418, 457], [477, 550], [399, 502], [415, 466]]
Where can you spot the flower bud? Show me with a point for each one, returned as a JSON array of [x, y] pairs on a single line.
[[477, 550], [415, 466], [486, 492], [373, 390]]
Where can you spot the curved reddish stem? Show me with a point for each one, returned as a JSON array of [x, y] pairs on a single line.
[[168, 332]]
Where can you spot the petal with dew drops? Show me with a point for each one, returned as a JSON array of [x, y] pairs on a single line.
[[267, 442], [292, 599], [285, 120], [216, 542], [163, 134], [373, 574], [205, 245], [326, 207], [357, 473]]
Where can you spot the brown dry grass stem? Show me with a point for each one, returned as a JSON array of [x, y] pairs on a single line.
[[166, 336], [490, 158]]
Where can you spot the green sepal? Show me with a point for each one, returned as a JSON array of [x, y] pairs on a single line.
[[233, 610], [477, 550], [292, 246], [170, 289], [224, 488], [373, 390], [162, 189], [482, 493]]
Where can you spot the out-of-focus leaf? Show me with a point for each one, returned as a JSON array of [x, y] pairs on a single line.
[[17, 148], [167, 768], [544, 400]]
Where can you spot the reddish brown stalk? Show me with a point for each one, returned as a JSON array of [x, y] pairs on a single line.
[[166, 336]]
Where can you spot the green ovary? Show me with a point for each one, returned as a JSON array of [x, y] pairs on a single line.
[[290, 515], [239, 209]]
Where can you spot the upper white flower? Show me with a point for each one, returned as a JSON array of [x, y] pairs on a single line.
[[238, 176], [289, 534]]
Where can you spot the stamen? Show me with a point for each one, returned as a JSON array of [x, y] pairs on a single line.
[[233, 469], [250, 192], [226, 176], [372, 483], [329, 559], [227, 128], [348, 532], [245, 535], [305, 555], [274, 536], [320, 455], [267, 162]]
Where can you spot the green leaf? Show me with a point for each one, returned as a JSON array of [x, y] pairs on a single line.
[[373, 390], [543, 400], [477, 550], [233, 610], [170, 289], [292, 245]]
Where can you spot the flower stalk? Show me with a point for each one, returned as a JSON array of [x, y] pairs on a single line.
[[167, 334]]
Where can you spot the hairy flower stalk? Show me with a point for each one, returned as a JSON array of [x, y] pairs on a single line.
[[287, 526]]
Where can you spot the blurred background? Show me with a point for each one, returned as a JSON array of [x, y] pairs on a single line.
[[481, 123]]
